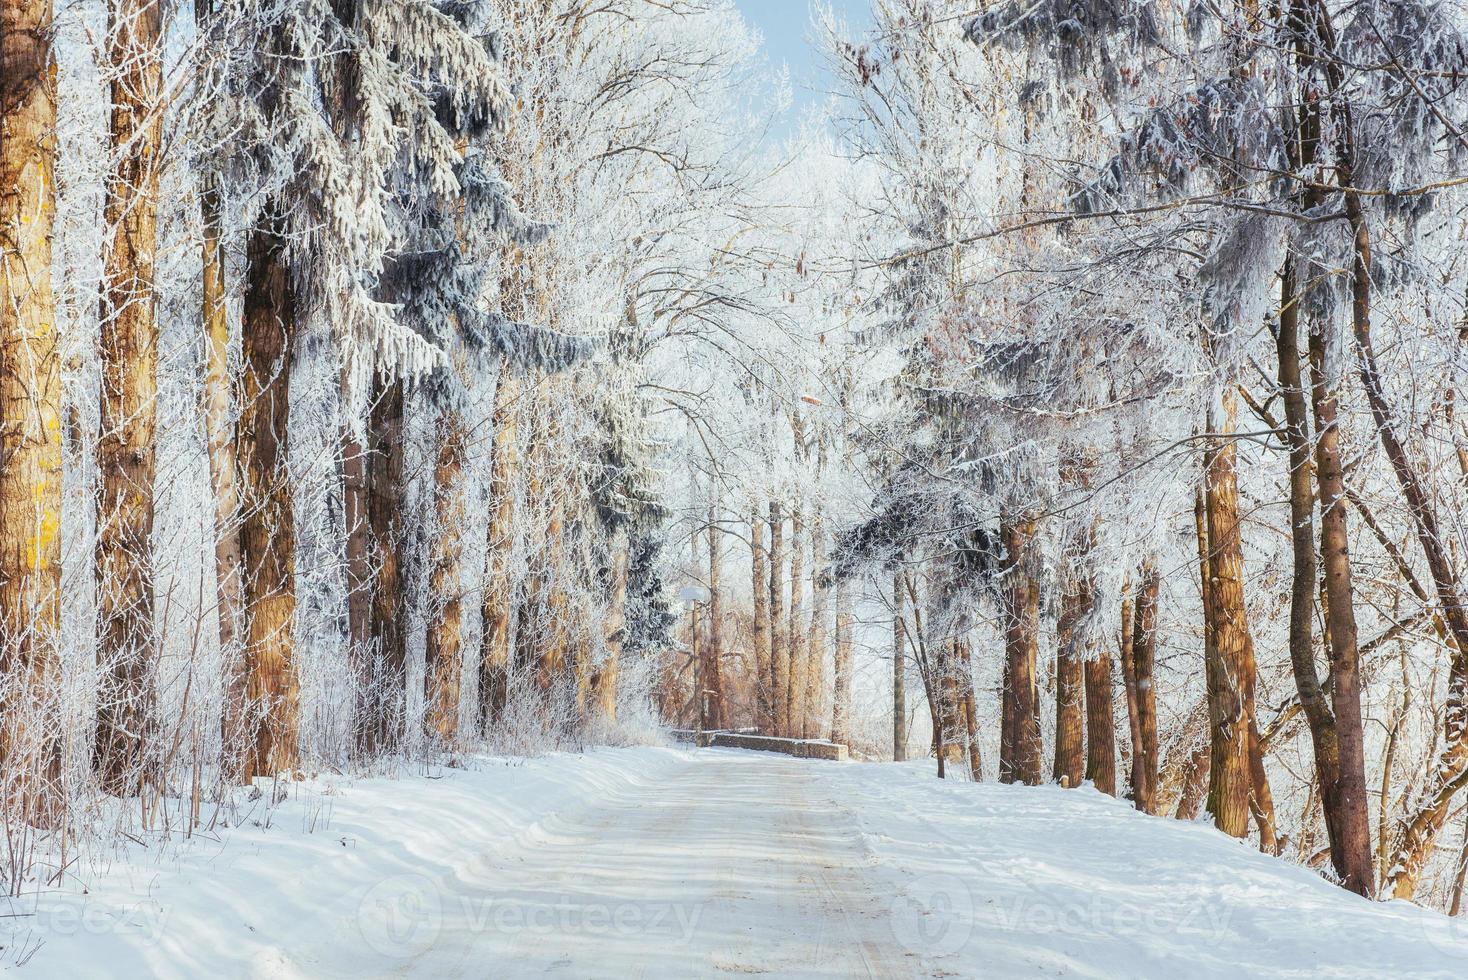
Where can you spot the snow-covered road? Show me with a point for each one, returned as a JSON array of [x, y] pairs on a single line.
[[733, 865], [672, 863]]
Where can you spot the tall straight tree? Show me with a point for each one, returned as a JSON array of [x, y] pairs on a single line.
[[760, 627], [30, 415], [129, 397]]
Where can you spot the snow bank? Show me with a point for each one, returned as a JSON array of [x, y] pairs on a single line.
[[697, 863], [317, 886], [1012, 881]]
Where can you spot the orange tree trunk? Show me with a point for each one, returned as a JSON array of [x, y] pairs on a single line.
[[498, 598], [223, 470], [443, 657], [813, 701], [760, 629], [1231, 683], [267, 534], [779, 647], [1069, 695], [713, 679], [129, 397], [30, 417], [795, 641], [1144, 660]]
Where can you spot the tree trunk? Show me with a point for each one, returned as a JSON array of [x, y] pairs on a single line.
[[443, 657], [795, 680], [761, 626], [1128, 656], [126, 458], [604, 680], [971, 717], [30, 417], [899, 671], [713, 680], [1100, 721], [357, 571], [498, 597], [1144, 660], [779, 634], [1021, 749], [380, 716], [1343, 795], [841, 694], [1231, 681], [223, 472], [813, 701], [267, 534], [1069, 683]]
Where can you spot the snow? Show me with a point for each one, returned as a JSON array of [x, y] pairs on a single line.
[[664, 862]]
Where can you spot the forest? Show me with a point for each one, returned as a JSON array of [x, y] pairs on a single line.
[[1069, 398]]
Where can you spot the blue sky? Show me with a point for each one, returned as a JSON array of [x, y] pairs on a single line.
[[785, 25]]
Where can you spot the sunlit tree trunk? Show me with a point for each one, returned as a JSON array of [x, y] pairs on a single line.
[[498, 599], [795, 631], [760, 629], [129, 396], [443, 658], [813, 688], [267, 532], [1230, 683], [30, 417], [1100, 720], [219, 435], [713, 679], [841, 666], [779, 633], [1144, 659], [1069, 686]]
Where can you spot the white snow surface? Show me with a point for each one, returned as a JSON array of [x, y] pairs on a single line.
[[653, 862]]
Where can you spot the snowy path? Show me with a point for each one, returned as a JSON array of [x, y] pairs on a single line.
[[668, 863], [732, 866]]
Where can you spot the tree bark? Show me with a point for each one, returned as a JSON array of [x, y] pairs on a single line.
[[219, 434], [381, 702], [1021, 757], [841, 694], [899, 671], [497, 597], [1231, 681], [30, 417], [126, 459], [813, 701], [1100, 721], [267, 534], [1070, 761], [604, 680], [779, 634], [443, 658], [1144, 660], [713, 681], [760, 629], [795, 680]]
